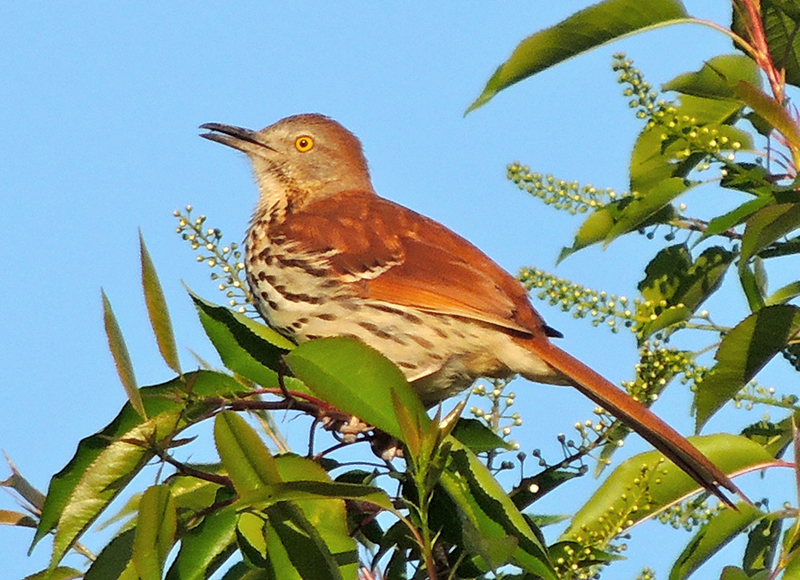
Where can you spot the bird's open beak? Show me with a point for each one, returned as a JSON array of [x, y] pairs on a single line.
[[236, 137]]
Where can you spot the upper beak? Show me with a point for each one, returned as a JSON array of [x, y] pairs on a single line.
[[236, 137]]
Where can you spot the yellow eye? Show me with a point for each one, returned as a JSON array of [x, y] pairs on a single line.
[[304, 143]]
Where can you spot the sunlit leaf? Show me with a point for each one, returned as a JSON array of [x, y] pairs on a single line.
[[122, 359], [155, 532], [489, 510], [743, 352], [583, 31], [60, 573], [358, 380], [647, 483], [157, 309], [714, 79], [712, 537], [247, 347], [770, 110], [158, 400], [245, 457], [768, 225]]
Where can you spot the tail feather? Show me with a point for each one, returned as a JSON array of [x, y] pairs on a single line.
[[639, 418]]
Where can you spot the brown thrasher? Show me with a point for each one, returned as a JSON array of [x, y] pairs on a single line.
[[327, 257]]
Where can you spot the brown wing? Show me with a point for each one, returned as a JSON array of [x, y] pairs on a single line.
[[392, 254]]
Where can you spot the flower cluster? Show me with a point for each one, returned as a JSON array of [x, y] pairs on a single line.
[[564, 195], [225, 261], [601, 307]]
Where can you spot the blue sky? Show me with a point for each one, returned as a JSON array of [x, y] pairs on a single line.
[[101, 104]]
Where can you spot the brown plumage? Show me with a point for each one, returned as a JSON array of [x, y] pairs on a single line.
[[327, 257]]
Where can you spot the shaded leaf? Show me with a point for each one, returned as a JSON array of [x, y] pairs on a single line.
[[712, 537], [155, 532], [780, 20], [742, 353], [205, 547], [114, 558], [358, 380], [646, 484], [762, 545], [533, 488], [675, 286], [122, 359], [583, 31], [157, 309]]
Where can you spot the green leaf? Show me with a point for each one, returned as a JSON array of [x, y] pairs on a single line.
[[91, 453], [674, 286], [484, 504], [768, 225], [247, 347], [478, 437], [206, 546], [734, 573], [770, 110], [780, 20], [157, 309], [712, 537], [244, 455], [784, 294], [583, 31], [300, 490], [713, 80], [155, 532], [646, 484], [734, 217], [358, 380], [533, 488], [762, 545], [742, 353], [60, 573], [114, 558], [113, 469], [122, 360]]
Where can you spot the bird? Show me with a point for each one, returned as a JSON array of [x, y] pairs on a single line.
[[327, 256]]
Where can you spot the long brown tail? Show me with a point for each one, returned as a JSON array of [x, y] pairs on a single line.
[[638, 417]]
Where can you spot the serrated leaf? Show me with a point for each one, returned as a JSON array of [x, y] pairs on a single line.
[[768, 225], [712, 537], [489, 510], [780, 20], [357, 379], [646, 484], [247, 347], [205, 547], [581, 32], [246, 459], [114, 558], [157, 309], [675, 286], [103, 480], [155, 532], [742, 353], [713, 80], [122, 359], [60, 573], [158, 400], [762, 545]]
